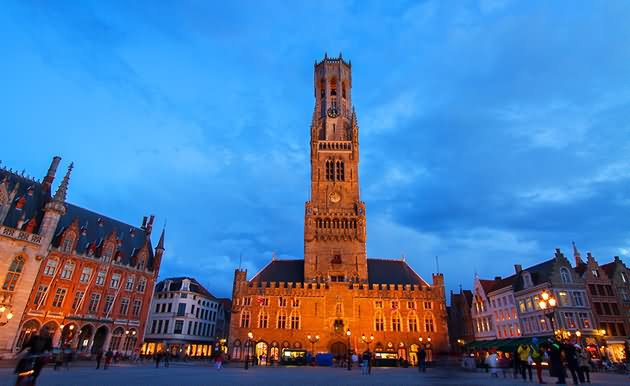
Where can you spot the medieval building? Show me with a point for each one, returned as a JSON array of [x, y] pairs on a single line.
[[336, 295], [88, 279]]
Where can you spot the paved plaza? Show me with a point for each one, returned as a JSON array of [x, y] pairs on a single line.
[[196, 374]]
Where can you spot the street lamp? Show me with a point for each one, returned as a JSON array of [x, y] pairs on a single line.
[[250, 336], [367, 340], [548, 305], [7, 317], [313, 340], [349, 350]]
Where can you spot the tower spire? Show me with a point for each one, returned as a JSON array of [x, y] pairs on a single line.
[[577, 255], [62, 190], [160, 244], [50, 175]]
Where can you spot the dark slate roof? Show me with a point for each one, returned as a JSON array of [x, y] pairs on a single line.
[[176, 285], [540, 273], [31, 196], [282, 270], [95, 228], [382, 271], [468, 295], [496, 284], [580, 269]]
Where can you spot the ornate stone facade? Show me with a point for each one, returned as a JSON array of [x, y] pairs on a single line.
[[336, 289]]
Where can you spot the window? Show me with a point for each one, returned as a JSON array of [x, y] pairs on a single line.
[[67, 244], [282, 302], [153, 326], [181, 309], [115, 281], [51, 265], [142, 284], [100, 278], [584, 320], [609, 290], [521, 305], [527, 280], [330, 170], [66, 272], [340, 171], [428, 305], [137, 305], [15, 270], [624, 277], [165, 331], [170, 307], [428, 324], [595, 273], [530, 306], [109, 300], [411, 305], [245, 319], [41, 290], [412, 322], [615, 308], [78, 297], [263, 319], [295, 320], [569, 319], [282, 319], [129, 284], [85, 275], [179, 326], [563, 299], [396, 322], [624, 294], [296, 302], [94, 300], [157, 308], [247, 301], [379, 323], [578, 299], [60, 295], [107, 254], [124, 306], [592, 289], [565, 276]]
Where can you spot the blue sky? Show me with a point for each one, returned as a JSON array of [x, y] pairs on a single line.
[[491, 132]]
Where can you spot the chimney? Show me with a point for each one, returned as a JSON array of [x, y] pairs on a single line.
[[497, 278], [617, 258], [518, 268], [50, 176], [144, 222]]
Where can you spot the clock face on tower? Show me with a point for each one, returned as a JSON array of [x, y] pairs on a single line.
[[334, 197], [332, 112]]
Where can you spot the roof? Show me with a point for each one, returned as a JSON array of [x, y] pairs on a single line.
[[383, 271], [28, 202], [380, 271], [609, 268], [540, 273], [176, 285]]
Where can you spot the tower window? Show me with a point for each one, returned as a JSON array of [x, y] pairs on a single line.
[[340, 171], [330, 170]]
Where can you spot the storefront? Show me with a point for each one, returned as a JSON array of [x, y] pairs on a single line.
[[293, 357], [178, 349]]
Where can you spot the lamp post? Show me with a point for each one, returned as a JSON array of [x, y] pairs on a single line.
[[5, 318], [250, 336], [349, 350], [548, 305], [313, 340], [367, 340]]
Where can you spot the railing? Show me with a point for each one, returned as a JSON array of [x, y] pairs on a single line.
[[20, 235], [335, 145]]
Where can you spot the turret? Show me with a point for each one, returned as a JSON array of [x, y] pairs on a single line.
[[159, 252], [55, 208], [50, 176]]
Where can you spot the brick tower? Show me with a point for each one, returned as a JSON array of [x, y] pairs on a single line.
[[334, 221]]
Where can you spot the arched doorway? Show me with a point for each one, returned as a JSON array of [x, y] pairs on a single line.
[[85, 335], [274, 352], [114, 345], [339, 349], [29, 329], [68, 333], [131, 338], [99, 339], [402, 351], [413, 354], [261, 353], [51, 327]]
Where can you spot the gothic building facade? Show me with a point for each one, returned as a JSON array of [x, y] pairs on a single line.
[[86, 278], [327, 301]]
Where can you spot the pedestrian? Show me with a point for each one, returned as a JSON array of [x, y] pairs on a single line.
[[158, 358], [67, 356], [99, 357], [555, 357], [109, 355], [167, 358], [355, 358], [516, 363], [369, 362], [58, 352], [571, 356], [584, 362], [39, 346], [364, 362], [492, 361], [538, 353], [218, 361], [525, 361], [422, 360]]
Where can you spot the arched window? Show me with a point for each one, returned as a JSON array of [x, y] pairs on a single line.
[[429, 326], [340, 171], [236, 349], [245, 316], [412, 322], [565, 276], [15, 270], [379, 322], [116, 338], [396, 321], [282, 319], [295, 320], [263, 319]]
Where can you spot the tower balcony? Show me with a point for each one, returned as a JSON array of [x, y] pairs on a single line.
[[336, 146]]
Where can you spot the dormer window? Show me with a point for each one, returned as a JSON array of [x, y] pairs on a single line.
[[527, 280], [68, 242], [565, 276], [595, 273], [107, 254]]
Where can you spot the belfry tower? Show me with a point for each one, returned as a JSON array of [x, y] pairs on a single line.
[[334, 221]]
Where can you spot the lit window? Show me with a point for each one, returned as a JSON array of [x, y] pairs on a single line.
[[66, 272], [15, 270], [60, 295], [85, 274], [51, 265]]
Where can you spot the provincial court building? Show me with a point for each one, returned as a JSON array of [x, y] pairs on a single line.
[[336, 293]]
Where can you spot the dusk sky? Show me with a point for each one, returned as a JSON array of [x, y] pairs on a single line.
[[491, 132]]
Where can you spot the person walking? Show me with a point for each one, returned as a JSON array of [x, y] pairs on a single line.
[[158, 358], [524, 361], [584, 363], [67, 356], [422, 360], [557, 368], [364, 363], [492, 361], [99, 358], [167, 358], [537, 355], [109, 355], [39, 345], [218, 361], [571, 356]]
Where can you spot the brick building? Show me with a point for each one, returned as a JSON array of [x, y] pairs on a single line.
[[336, 289], [86, 277], [460, 322]]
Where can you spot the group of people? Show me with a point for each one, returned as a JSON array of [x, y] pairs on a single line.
[[553, 352], [109, 355]]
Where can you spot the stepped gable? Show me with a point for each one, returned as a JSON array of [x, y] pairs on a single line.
[[28, 202], [384, 271], [176, 285], [94, 230], [540, 273]]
